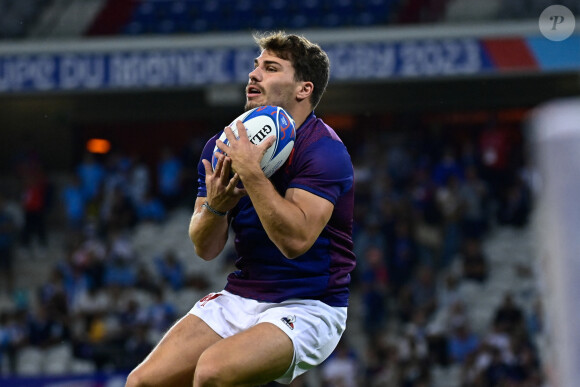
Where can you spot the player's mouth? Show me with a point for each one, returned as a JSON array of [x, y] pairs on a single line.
[[253, 91]]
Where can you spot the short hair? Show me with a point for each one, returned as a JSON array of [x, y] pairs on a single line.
[[310, 62]]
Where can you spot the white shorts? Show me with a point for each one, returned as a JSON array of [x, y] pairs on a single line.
[[313, 326]]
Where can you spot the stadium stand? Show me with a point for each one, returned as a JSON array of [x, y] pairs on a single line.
[[442, 241], [17, 17]]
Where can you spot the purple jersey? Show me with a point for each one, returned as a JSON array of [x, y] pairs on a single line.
[[319, 164]]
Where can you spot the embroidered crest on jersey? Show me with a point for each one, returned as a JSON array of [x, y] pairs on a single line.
[[289, 320], [208, 298]]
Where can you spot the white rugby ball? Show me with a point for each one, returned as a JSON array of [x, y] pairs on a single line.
[[261, 123]]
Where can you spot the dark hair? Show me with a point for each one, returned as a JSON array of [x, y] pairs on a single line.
[[310, 62]]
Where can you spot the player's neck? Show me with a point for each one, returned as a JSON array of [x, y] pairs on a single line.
[[300, 114]]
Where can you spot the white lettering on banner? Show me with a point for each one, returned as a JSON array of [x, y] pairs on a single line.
[[243, 64], [27, 73], [199, 67], [446, 57], [169, 68], [362, 61], [77, 71]]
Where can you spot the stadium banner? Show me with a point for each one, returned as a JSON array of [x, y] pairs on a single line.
[[183, 67], [92, 380]]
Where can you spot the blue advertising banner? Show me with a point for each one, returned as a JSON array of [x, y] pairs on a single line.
[[95, 380], [157, 68], [169, 68]]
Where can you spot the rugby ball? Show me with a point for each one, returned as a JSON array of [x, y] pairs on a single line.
[[261, 123]]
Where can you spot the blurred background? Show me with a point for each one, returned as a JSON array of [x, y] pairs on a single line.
[[105, 106]]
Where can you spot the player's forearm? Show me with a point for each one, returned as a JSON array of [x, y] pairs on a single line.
[[208, 232], [283, 221]]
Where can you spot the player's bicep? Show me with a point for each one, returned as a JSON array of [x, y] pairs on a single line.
[[315, 209]]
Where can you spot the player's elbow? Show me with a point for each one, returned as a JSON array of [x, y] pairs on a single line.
[[205, 254], [295, 249]]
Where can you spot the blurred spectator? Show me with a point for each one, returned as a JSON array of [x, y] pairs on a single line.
[[8, 237], [45, 329], [150, 209], [169, 175], [189, 156], [139, 179], [159, 315], [413, 360], [171, 270], [117, 211], [53, 296], [90, 304], [145, 280], [509, 315], [462, 342], [535, 320], [448, 167], [398, 164], [498, 372], [13, 336], [457, 314], [120, 245], [136, 347], [473, 261], [75, 203], [173, 274], [515, 205], [474, 195], [341, 369], [427, 218], [375, 289], [91, 174], [35, 203], [451, 206], [498, 338], [423, 290], [119, 272], [404, 258], [449, 293], [369, 235], [382, 365]]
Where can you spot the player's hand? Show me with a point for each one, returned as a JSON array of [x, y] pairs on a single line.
[[222, 188], [245, 156]]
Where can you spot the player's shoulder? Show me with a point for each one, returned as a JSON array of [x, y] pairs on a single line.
[[314, 129]]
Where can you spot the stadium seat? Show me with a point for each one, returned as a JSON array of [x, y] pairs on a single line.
[[29, 361], [57, 360]]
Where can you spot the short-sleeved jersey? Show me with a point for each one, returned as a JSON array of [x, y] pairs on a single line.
[[320, 164]]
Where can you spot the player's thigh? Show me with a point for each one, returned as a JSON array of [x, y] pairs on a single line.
[[172, 362], [257, 355]]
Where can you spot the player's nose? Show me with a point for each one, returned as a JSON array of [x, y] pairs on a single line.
[[255, 74]]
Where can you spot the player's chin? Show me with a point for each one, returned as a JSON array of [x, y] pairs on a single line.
[[251, 105]]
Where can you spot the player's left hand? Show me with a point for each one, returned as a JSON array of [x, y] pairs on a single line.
[[222, 188]]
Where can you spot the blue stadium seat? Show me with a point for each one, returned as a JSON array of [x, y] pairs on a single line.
[[197, 16], [298, 21], [134, 27]]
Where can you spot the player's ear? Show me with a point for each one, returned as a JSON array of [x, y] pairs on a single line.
[[305, 90]]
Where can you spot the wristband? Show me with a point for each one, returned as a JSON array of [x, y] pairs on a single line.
[[213, 210]]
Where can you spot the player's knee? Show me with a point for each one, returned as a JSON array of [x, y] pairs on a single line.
[[209, 373], [136, 379]]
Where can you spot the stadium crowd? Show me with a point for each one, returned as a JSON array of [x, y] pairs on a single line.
[[425, 202]]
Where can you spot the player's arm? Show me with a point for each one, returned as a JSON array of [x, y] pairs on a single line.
[[292, 222], [207, 231], [208, 228]]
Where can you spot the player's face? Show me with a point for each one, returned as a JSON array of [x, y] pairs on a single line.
[[271, 82]]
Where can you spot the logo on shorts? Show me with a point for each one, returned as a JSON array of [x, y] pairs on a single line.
[[289, 320], [208, 298]]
